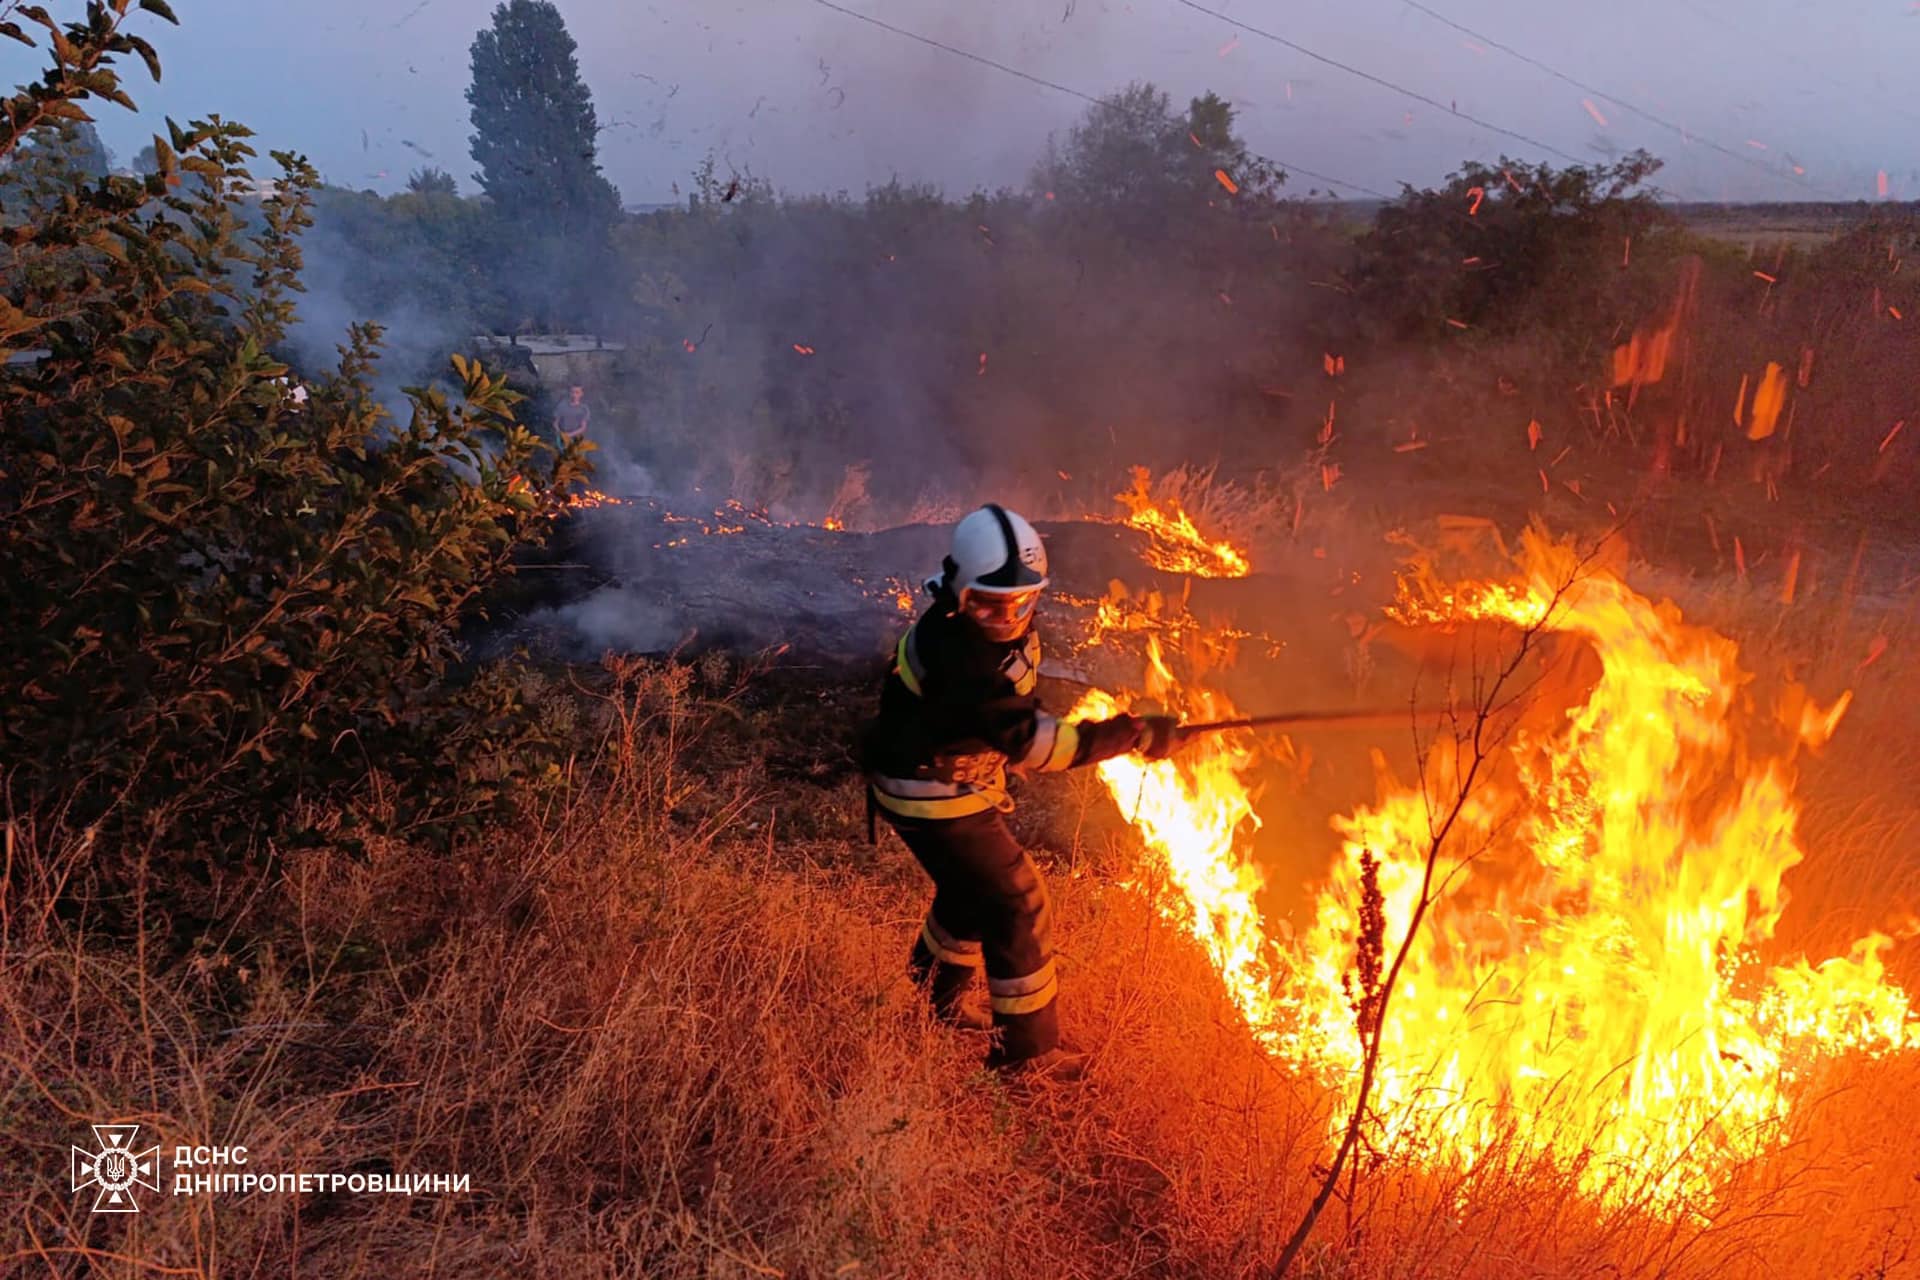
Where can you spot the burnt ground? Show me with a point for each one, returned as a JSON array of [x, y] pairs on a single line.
[[634, 578]]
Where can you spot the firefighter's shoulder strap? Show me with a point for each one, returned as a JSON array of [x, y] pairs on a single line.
[[1021, 668]]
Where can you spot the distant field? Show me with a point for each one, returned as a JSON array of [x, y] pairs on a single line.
[[1800, 225], [1794, 224]]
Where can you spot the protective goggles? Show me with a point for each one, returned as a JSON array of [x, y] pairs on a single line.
[[1000, 608]]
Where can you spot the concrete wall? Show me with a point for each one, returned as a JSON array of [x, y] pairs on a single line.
[[559, 359]]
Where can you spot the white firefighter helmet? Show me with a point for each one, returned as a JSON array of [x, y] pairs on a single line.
[[997, 570]]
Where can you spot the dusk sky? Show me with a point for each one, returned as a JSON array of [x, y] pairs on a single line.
[[818, 100]]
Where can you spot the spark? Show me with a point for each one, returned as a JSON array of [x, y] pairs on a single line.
[[1768, 400]]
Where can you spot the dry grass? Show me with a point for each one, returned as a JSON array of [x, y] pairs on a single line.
[[664, 1031]]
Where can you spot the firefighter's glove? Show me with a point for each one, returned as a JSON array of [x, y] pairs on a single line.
[[1159, 735]]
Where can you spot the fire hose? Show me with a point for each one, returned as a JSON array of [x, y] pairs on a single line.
[[1388, 715]]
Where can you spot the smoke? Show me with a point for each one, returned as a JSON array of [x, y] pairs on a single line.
[[996, 347], [343, 277], [907, 355], [872, 361], [615, 619]]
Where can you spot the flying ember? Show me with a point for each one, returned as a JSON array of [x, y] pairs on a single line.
[[1585, 983]]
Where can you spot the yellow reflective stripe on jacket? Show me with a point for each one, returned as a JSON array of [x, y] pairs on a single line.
[[1023, 669], [943, 807], [1054, 744], [937, 799], [1026, 994], [903, 665], [1066, 743]]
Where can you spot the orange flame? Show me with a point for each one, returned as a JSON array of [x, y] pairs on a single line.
[[1586, 984], [1176, 545], [1189, 811]]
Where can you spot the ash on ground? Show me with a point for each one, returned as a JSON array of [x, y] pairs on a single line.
[[638, 576]]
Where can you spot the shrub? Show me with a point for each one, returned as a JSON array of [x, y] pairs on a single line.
[[1502, 248], [224, 607]]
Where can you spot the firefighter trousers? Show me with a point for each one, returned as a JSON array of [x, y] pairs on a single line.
[[990, 910]]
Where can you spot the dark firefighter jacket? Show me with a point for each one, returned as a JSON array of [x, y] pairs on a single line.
[[957, 710]]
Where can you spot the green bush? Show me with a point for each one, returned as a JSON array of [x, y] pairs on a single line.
[[1511, 247], [227, 616]]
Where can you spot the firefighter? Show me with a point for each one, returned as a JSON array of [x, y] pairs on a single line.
[[957, 711]]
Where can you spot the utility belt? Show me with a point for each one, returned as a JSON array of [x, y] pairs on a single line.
[[950, 787]]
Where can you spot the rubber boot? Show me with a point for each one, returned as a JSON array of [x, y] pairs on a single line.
[[1058, 1065]]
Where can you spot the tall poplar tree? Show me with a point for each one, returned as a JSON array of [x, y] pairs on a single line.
[[535, 136]]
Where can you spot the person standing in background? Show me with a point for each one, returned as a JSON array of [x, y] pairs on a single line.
[[571, 418]]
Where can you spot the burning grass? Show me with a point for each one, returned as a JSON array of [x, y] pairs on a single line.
[[1587, 983], [663, 1029], [1175, 544]]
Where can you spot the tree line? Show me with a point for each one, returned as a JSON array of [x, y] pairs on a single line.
[[1155, 287]]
